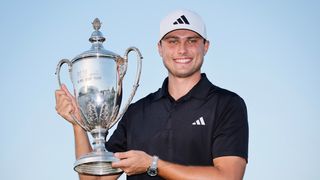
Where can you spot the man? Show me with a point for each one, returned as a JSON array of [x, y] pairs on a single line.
[[188, 129]]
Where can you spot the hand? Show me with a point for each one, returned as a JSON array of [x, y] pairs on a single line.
[[66, 105], [132, 162]]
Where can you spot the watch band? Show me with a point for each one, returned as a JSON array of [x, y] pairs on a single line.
[[154, 163], [153, 169]]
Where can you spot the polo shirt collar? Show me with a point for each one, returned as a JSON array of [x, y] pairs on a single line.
[[200, 90]]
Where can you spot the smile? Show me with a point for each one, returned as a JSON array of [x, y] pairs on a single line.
[[183, 60]]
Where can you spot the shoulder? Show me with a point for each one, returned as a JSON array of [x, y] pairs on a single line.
[[215, 92], [146, 100], [226, 96], [227, 101]]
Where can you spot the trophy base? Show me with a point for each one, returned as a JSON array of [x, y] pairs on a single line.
[[96, 163]]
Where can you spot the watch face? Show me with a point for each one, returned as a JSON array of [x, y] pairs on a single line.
[[152, 172]]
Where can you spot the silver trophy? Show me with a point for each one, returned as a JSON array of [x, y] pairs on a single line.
[[97, 76]]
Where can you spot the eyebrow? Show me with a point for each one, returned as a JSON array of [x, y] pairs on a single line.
[[176, 37]]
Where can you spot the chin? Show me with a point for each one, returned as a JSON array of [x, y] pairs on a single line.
[[185, 74]]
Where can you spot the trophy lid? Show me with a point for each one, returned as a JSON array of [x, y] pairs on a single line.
[[96, 49]]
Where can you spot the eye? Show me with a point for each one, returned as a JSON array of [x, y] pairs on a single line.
[[193, 40], [172, 41]]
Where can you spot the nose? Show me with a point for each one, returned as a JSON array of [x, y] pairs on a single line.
[[182, 49]]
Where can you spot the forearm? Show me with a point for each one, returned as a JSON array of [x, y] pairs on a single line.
[[229, 170], [82, 144], [174, 171]]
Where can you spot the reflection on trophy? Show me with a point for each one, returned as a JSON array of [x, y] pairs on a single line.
[[97, 76]]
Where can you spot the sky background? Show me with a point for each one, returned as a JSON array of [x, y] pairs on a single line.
[[266, 51]]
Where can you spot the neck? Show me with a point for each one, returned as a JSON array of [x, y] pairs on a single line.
[[179, 87]]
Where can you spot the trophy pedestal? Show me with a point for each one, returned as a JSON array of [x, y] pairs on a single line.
[[97, 163]]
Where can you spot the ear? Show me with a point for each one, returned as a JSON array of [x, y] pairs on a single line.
[[206, 47], [160, 48]]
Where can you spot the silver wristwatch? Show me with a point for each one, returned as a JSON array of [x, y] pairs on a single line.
[[153, 169]]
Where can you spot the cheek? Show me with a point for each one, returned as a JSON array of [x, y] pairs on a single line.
[[163, 53], [202, 51]]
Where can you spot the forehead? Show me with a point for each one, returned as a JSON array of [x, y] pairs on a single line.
[[181, 33]]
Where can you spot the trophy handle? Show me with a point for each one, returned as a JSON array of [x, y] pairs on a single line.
[[136, 82], [61, 62]]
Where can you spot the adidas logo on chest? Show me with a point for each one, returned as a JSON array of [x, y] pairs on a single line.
[[199, 122]]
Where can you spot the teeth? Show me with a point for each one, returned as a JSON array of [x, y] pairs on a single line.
[[182, 60]]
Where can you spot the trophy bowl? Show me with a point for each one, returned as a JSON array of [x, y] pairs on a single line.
[[97, 76]]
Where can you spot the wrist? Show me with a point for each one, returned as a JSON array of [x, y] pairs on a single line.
[[77, 128]]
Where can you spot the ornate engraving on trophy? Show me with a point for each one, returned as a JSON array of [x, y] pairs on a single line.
[[97, 106]]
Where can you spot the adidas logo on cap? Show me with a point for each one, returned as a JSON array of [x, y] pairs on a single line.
[[182, 19]]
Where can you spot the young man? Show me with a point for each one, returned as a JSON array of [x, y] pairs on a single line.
[[189, 128]]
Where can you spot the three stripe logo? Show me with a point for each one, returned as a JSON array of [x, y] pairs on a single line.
[[181, 20], [199, 122]]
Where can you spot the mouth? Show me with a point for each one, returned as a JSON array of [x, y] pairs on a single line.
[[182, 60]]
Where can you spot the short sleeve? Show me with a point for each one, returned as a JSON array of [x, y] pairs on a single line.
[[231, 132]]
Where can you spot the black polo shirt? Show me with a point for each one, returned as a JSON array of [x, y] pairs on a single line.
[[206, 123]]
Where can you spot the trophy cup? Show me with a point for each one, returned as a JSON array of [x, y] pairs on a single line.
[[96, 76]]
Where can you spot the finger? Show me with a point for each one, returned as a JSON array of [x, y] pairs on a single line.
[[58, 93], [121, 155], [65, 108], [62, 99], [65, 89], [64, 105], [123, 163]]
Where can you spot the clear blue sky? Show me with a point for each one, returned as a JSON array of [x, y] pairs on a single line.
[[266, 51]]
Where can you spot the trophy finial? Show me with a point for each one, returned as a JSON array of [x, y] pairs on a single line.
[[96, 24], [96, 35]]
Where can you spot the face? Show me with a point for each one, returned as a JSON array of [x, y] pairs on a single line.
[[182, 52]]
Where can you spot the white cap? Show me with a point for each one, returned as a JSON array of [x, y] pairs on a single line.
[[182, 19]]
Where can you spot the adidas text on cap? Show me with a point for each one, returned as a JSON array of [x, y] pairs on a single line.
[[182, 19]]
